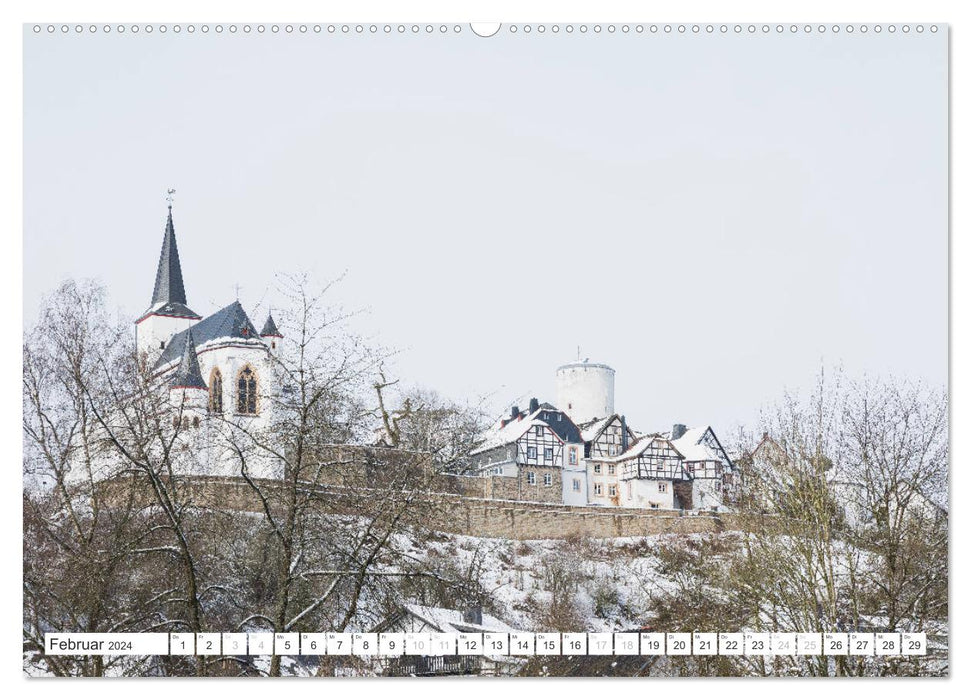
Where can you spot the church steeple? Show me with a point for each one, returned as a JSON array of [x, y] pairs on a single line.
[[168, 313], [168, 280]]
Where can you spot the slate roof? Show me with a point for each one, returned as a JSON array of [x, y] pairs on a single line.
[[269, 328], [188, 375], [547, 415], [168, 298], [228, 322]]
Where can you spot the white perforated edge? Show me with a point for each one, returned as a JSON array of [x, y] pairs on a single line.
[[452, 29]]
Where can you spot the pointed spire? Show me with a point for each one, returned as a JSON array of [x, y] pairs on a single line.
[[269, 328], [168, 280], [188, 375]]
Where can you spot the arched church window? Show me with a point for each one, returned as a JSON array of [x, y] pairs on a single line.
[[216, 391], [246, 391]]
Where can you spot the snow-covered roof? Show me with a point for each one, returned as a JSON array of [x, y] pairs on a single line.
[[508, 430], [637, 448], [501, 435], [691, 446], [448, 620], [592, 429]]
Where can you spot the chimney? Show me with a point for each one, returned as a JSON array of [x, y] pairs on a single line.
[[473, 614], [533, 404], [514, 413], [623, 434], [765, 435], [678, 430]]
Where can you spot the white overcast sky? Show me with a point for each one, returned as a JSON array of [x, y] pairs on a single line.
[[713, 216]]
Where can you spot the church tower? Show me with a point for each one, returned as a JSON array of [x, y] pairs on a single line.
[[168, 313]]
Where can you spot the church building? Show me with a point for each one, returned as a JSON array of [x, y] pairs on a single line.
[[218, 370]]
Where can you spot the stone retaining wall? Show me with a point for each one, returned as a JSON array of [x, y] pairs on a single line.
[[465, 515]]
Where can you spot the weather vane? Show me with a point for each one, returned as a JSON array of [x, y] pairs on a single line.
[[169, 198]]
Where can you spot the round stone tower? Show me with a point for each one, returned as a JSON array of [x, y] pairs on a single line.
[[585, 390]]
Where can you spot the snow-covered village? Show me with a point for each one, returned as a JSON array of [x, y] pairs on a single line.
[[223, 472]]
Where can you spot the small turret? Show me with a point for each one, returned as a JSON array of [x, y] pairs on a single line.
[[187, 388], [270, 333]]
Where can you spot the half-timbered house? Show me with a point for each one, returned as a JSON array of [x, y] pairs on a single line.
[[536, 455], [652, 474], [713, 474], [420, 619]]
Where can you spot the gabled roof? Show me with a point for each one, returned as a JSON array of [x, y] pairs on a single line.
[[229, 322], [168, 297], [507, 434], [638, 447], [503, 433], [694, 447], [447, 620], [269, 328], [188, 375], [593, 429]]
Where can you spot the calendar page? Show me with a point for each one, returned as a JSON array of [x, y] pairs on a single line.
[[425, 348]]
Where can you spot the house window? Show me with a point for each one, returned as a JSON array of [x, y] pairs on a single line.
[[611, 469], [655, 505], [531, 478], [596, 469], [538, 430], [246, 391], [662, 487], [215, 391], [612, 489], [547, 479], [548, 453], [598, 490], [530, 453], [576, 484], [573, 455]]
